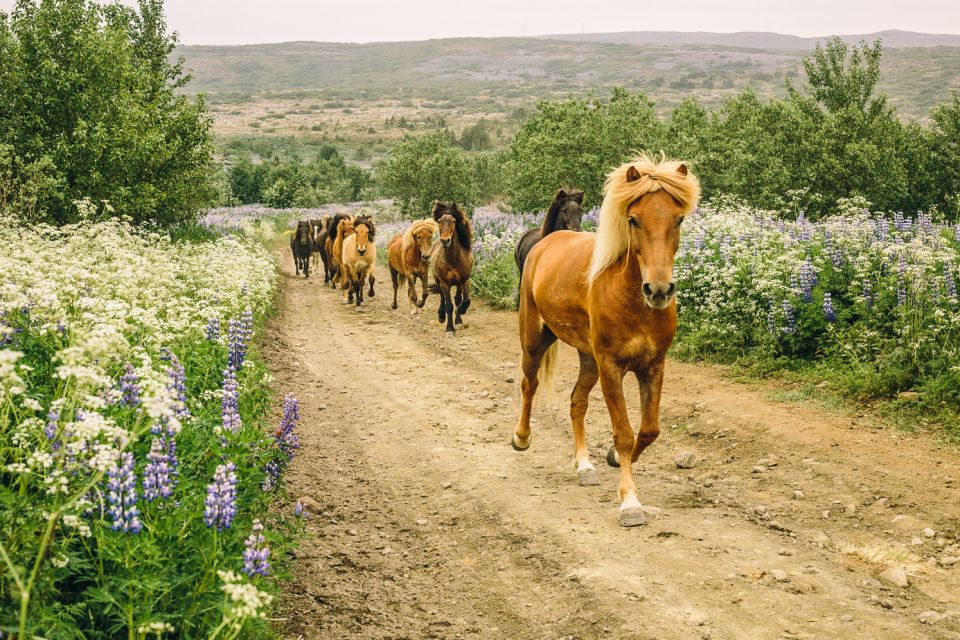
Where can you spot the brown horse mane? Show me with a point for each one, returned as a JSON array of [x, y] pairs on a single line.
[[550, 220], [335, 224], [464, 232], [413, 230], [368, 221]]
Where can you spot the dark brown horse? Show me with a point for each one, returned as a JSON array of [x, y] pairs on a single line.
[[610, 295], [301, 245], [320, 230], [452, 262], [564, 214]]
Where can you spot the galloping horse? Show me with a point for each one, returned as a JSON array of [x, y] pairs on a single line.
[[409, 259], [358, 259], [301, 245], [343, 230], [321, 228], [452, 261], [610, 295], [564, 213]]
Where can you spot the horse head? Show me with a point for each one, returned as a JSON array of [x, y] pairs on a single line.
[[364, 230], [452, 221], [565, 212], [304, 232]]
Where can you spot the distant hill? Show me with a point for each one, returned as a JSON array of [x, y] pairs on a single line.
[[892, 39], [500, 73]]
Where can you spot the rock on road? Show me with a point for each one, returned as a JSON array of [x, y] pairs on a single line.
[[424, 523]]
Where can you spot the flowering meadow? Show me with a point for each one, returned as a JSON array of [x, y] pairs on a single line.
[[137, 464]]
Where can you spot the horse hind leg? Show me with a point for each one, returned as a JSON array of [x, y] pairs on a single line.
[[395, 279], [586, 473]]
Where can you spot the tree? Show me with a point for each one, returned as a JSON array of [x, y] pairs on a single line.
[[427, 168], [89, 100], [945, 154]]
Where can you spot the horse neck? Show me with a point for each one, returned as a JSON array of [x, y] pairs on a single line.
[[550, 221]]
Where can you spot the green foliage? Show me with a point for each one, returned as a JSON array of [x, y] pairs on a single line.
[[293, 183], [834, 138], [90, 108], [576, 142], [427, 168]]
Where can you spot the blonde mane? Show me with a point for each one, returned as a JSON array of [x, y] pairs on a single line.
[[415, 228], [619, 193]]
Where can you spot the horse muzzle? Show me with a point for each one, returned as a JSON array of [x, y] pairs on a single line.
[[361, 251], [446, 242], [658, 295]]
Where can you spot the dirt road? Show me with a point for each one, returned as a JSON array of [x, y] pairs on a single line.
[[426, 524]]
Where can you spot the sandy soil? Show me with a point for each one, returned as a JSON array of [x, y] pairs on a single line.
[[426, 524]]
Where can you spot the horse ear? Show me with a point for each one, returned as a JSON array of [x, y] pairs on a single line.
[[560, 195], [438, 208], [632, 174], [578, 197], [682, 169]]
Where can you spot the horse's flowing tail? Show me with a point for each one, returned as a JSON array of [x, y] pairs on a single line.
[[548, 366]]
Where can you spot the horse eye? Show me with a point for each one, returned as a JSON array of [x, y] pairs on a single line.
[[633, 222]]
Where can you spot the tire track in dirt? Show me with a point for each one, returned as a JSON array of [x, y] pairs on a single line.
[[426, 524]]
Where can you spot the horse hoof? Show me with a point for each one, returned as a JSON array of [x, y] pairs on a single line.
[[393, 306], [588, 478], [632, 517], [514, 442], [613, 458]]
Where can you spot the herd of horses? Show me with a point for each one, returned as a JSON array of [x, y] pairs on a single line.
[[609, 294]]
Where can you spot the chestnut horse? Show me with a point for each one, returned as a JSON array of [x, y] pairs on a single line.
[[358, 259], [610, 295], [343, 230], [409, 259], [564, 214], [452, 261], [301, 245]]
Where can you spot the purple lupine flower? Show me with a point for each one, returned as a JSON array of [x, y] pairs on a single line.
[[122, 495], [170, 446], [901, 281], [808, 280], [867, 294], [236, 346], [229, 402], [273, 471], [956, 233], [949, 282], [213, 329], [156, 476], [791, 323], [178, 385], [256, 556], [828, 308], [221, 503], [50, 430], [299, 510], [288, 441], [129, 388]]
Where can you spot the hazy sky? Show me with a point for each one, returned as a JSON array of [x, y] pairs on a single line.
[[253, 21]]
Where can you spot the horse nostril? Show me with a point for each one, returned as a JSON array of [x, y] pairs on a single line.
[[647, 289], [671, 289]]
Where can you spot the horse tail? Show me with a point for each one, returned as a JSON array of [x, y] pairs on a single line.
[[548, 366]]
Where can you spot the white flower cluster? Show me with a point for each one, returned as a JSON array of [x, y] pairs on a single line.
[[244, 600]]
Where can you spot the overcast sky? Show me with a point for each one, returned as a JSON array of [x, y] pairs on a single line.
[[254, 21]]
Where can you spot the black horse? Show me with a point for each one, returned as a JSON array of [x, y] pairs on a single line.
[[564, 213], [321, 229], [301, 244]]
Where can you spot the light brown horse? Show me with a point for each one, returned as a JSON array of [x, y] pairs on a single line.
[[610, 295], [452, 262], [358, 259], [343, 230], [409, 259]]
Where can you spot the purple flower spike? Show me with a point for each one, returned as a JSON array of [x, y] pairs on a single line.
[[50, 430], [221, 504], [156, 477], [178, 385], [287, 440], [129, 389], [213, 329], [229, 402], [122, 495], [828, 308], [256, 556], [791, 326]]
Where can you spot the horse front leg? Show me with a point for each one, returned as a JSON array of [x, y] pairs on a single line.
[[611, 381], [589, 374], [423, 288], [361, 277], [412, 294], [448, 309], [371, 279], [442, 309], [464, 304], [651, 382], [395, 278]]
